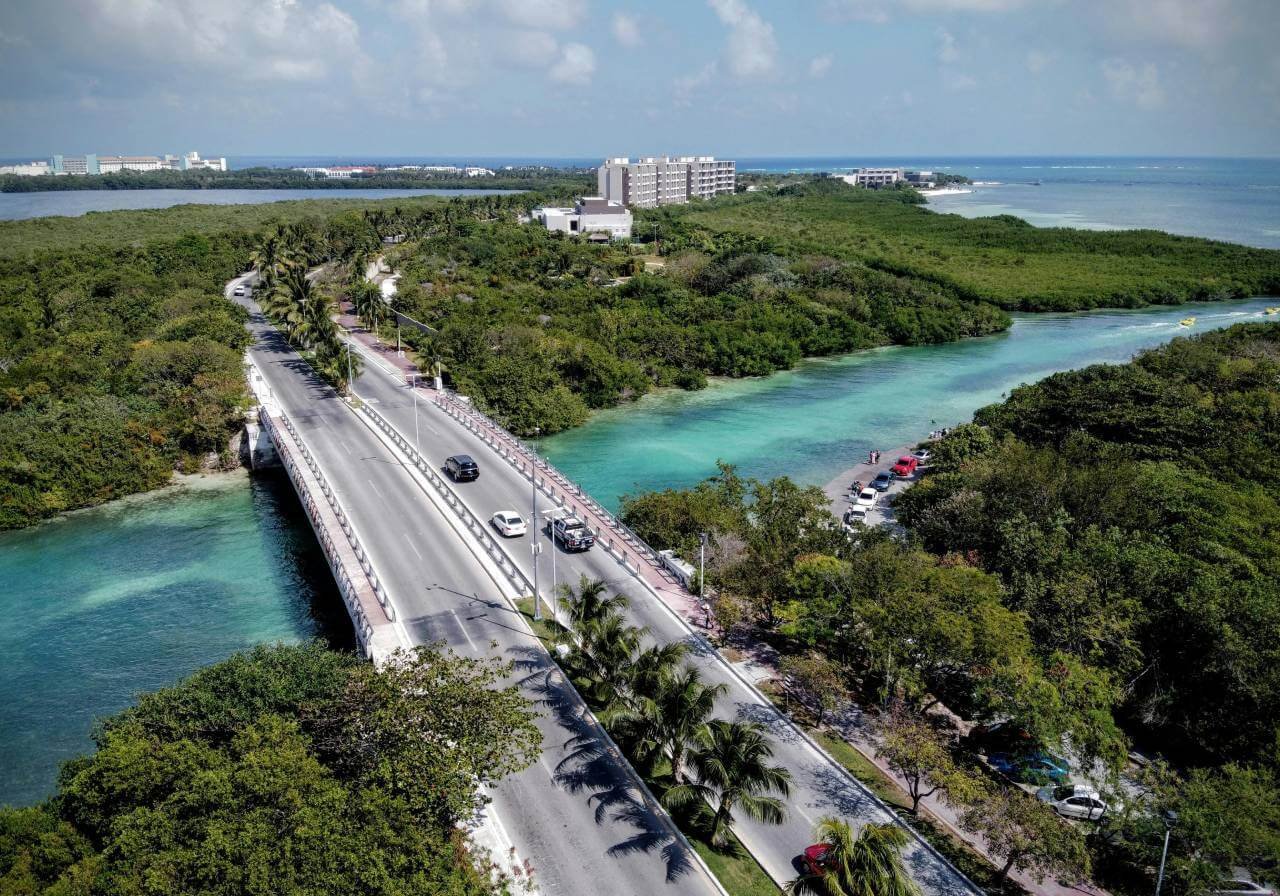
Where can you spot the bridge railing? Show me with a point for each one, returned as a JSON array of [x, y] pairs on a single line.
[[621, 540]]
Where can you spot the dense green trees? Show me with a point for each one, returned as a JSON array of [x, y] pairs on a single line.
[[1130, 511], [1001, 260], [868, 863], [116, 367], [285, 769]]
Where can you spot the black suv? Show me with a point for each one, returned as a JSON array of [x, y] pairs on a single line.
[[461, 468]]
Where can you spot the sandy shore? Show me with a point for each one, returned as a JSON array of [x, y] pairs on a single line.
[[840, 489], [945, 191]]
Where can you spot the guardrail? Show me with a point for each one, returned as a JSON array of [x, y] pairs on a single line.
[[620, 541], [475, 526]]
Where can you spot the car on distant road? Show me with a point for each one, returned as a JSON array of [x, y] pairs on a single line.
[[883, 480], [905, 466], [1040, 767], [1242, 886], [1073, 801], [509, 523], [923, 455], [866, 498], [571, 534], [238, 291], [461, 468], [813, 859]]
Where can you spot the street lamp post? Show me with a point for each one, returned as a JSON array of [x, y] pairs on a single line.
[[1169, 817], [413, 391], [702, 567], [351, 383], [533, 521]]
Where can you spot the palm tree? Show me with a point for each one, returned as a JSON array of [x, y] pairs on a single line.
[[733, 771], [589, 603], [673, 720], [869, 864], [608, 645], [366, 299], [653, 665], [265, 258]]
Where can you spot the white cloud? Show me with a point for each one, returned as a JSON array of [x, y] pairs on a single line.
[[820, 65], [957, 81], [1195, 24], [686, 86], [1038, 60], [626, 30], [880, 11], [1135, 84], [554, 14], [947, 49], [576, 65], [752, 50]]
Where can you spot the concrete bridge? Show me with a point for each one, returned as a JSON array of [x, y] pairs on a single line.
[[447, 577]]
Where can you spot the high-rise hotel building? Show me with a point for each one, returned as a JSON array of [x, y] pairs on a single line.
[[648, 182]]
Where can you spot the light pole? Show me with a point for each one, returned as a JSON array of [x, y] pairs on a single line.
[[657, 247], [533, 521], [351, 383], [702, 567], [1170, 818]]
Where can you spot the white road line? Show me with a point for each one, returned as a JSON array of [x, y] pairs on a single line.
[[345, 446], [550, 771], [376, 489], [411, 545], [386, 368], [463, 626]]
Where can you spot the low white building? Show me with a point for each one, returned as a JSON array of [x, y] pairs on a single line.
[[874, 177], [591, 214], [27, 169]]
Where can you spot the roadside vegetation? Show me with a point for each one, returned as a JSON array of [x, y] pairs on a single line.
[[283, 769], [1091, 564]]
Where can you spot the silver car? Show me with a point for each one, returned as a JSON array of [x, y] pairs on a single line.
[[1073, 801]]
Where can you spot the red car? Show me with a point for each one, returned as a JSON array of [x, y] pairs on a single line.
[[812, 862], [905, 466]]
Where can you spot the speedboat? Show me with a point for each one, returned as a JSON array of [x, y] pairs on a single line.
[[1187, 321], [1275, 310]]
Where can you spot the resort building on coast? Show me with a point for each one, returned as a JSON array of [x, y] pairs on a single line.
[[92, 163], [654, 181]]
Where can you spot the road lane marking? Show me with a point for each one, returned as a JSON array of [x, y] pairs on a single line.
[[376, 489], [411, 545], [458, 620]]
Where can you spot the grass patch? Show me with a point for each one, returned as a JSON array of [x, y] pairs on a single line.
[[736, 869]]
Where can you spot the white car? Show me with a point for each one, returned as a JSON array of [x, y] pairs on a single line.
[[855, 515], [509, 523], [239, 291], [922, 455], [1073, 801], [866, 498]]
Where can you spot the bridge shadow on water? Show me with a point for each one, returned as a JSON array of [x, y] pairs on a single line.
[[593, 767]]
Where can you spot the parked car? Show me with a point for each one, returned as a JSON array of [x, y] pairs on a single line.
[[882, 481], [905, 466], [239, 291], [461, 468], [570, 533], [813, 859], [866, 498], [1242, 886], [1032, 768], [509, 523], [855, 515], [922, 455], [1003, 737], [1073, 801]]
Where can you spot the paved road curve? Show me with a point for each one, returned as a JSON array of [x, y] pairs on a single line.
[[818, 786], [576, 814]]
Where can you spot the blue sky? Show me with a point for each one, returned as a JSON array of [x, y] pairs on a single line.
[[587, 78]]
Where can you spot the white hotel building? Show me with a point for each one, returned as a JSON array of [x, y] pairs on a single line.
[[652, 181]]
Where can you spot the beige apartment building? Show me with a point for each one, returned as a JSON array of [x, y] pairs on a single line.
[[653, 181]]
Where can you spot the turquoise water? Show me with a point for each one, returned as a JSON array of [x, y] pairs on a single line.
[[102, 604], [816, 421]]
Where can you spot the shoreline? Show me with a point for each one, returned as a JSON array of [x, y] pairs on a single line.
[[839, 490]]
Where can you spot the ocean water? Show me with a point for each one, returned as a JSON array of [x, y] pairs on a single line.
[[102, 604], [816, 421], [72, 203]]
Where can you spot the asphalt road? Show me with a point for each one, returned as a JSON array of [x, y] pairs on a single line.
[[576, 814], [818, 787]]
